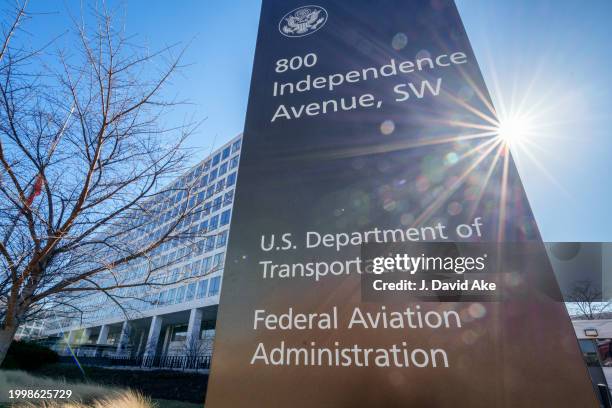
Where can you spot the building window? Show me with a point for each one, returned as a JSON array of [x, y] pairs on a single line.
[[180, 294], [225, 217], [213, 176], [195, 268], [226, 153], [197, 250], [162, 298], [171, 296], [205, 265], [210, 243], [234, 162], [228, 198], [223, 169], [215, 283], [202, 287], [166, 277], [220, 186], [210, 191], [218, 261], [190, 292], [217, 204], [192, 201], [203, 181], [213, 223], [186, 270], [206, 208], [216, 159], [236, 145], [200, 169], [231, 179], [196, 216], [222, 239]]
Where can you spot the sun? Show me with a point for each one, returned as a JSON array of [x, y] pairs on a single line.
[[514, 128]]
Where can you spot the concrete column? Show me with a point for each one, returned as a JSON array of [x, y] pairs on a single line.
[[71, 336], [85, 336], [140, 343], [167, 337], [103, 336], [82, 339], [153, 337], [195, 325], [124, 337]]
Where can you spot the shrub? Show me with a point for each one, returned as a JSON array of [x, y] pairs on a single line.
[[24, 355]]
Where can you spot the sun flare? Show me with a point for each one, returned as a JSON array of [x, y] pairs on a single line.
[[514, 128]]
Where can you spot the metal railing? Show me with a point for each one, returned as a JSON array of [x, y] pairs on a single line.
[[168, 362]]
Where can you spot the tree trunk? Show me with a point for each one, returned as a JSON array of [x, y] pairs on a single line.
[[6, 338]]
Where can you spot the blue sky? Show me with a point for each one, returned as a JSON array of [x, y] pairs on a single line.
[[553, 55], [561, 50]]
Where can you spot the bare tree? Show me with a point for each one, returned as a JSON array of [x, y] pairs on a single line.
[[194, 347], [588, 301], [85, 165]]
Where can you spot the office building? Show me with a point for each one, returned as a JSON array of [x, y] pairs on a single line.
[[156, 324]]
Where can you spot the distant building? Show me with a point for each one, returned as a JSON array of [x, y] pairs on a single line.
[[595, 340], [176, 320]]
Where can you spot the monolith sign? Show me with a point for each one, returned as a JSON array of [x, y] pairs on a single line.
[[382, 251]]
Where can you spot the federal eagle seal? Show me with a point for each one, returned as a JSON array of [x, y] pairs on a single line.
[[302, 21]]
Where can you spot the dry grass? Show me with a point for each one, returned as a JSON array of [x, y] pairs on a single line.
[[84, 395], [125, 399]]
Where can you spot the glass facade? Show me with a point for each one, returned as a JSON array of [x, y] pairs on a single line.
[[187, 272]]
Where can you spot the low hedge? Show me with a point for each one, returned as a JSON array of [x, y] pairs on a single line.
[[24, 355]]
